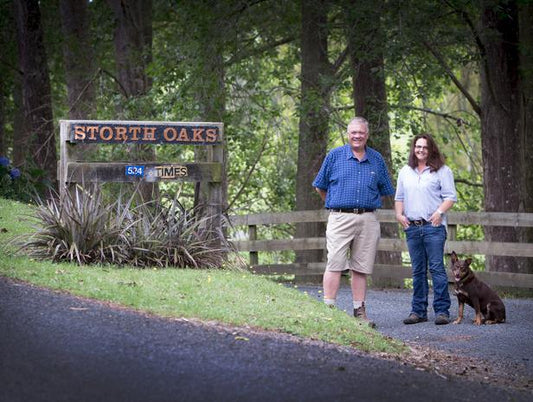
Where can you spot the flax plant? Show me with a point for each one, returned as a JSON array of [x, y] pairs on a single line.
[[81, 228], [174, 237], [77, 228]]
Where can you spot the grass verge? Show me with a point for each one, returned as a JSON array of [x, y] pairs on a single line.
[[227, 296]]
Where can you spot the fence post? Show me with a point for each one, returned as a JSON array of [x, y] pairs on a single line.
[[452, 232], [252, 235]]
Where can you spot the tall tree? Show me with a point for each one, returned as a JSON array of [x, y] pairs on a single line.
[[36, 93], [525, 21], [501, 120], [133, 45], [10, 88], [366, 42], [5, 36], [3, 147], [314, 105], [78, 59], [211, 26], [133, 53], [20, 140], [79, 67]]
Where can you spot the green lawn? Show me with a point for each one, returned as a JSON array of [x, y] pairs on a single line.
[[229, 296]]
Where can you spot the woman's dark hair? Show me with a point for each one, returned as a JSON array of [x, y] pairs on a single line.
[[435, 159]]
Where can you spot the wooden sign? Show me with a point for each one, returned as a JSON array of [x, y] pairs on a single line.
[[209, 175], [117, 132]]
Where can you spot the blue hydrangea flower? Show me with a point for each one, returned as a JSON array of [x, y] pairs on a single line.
[[4, 161], [14, 173]]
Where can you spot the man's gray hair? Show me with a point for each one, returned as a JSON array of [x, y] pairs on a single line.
[[360, 120]]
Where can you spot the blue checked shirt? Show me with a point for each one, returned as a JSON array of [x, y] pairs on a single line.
[[351, 183]]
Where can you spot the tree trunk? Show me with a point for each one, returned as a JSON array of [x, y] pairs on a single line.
[[133, 44], [10, 78], [79, 67], [525, 21], [370, 96], [20, 139], [210, 95], [133, 53], [370, 101], [36, 93], [313, 126], [500, 124], [3, 145], [78, 59]]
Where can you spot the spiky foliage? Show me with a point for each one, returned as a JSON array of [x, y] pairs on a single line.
[[174, 237], [81, 228]]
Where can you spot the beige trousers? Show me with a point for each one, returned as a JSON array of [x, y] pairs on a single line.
[[352, 241]]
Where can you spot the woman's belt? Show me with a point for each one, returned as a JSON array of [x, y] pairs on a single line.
[[418, 222]]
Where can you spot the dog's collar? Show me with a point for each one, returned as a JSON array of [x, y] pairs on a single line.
[[469, 277]]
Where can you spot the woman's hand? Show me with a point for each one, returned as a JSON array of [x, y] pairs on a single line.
[[436, 218], [402, 219]]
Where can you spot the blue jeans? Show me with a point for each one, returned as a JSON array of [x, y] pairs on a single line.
[[426, 249]]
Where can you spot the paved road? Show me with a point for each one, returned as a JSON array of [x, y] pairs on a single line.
[[54, 347]]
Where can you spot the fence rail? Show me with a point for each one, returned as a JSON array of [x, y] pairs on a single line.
[[385, 274]]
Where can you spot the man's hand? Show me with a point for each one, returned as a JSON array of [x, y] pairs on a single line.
[[322, 193]]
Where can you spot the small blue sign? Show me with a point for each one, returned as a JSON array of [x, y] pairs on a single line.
[[135, 171]]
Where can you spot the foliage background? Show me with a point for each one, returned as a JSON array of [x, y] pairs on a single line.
[[246, 55], [262, 89]]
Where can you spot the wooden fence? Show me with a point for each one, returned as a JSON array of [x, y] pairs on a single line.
[[384, 275]]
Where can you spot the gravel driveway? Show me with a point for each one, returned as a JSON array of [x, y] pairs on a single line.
[[55, 347], [509, 345]]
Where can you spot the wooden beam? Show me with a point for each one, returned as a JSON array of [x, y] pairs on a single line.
[[395, 273], [116, 172], [460, 247], [387, 215]]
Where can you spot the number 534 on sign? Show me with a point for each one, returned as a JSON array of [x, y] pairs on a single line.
[[135, 171]]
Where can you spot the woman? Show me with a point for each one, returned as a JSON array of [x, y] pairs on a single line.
[[425, 192]]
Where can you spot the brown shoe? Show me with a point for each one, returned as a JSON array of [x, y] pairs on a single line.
[[414, 319], [442, 319], [361, 314]]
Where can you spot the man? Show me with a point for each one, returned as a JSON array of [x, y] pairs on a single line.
[[351, 182]]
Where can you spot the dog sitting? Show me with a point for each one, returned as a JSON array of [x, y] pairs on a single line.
[[476, 293]]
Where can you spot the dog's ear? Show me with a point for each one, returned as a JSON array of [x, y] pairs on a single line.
[[468, 261], [454, 257]]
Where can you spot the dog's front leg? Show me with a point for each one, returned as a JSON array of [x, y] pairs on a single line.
[[478, 320], [460, 313]]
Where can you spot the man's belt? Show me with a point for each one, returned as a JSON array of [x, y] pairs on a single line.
[[419, 222], [351, 210]]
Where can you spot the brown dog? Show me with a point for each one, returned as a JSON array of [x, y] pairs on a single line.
[[476, 293]]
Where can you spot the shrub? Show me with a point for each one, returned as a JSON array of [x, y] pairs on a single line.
[[81, 228], [78, 229], [173, 237], [20, 185]]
